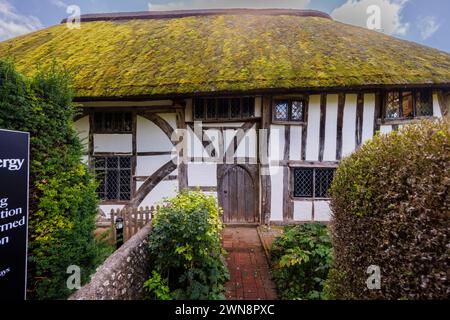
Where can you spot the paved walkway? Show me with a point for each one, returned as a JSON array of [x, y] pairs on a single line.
[[247, 263]]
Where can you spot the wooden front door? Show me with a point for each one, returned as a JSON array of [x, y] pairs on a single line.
[[238, 195]]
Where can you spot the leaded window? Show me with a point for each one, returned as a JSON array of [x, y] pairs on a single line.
[[312, 182], [289, 110], [408, 104], [114, 177], [216, 109], [113, 122]]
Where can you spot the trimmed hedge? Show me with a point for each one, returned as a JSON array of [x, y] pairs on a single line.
[[63, 202], [185, 249], [391, 206], [301, 258]]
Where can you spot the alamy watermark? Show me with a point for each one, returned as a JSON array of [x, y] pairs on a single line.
[[373, 282]]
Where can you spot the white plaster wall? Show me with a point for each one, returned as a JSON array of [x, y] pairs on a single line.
[[215, 136], [436, 108], [163, 190], [329, 151], [368, 117], [118, 143], [385, 129], [247, 148], [150, 138], [312, 140], [81, 126], [85, 160], [276, 174], [295, 150], [202, 174], [194, 145], [276, 143], [322, 211], [148, 165], [302, 210], [349, 125], [171, 118]]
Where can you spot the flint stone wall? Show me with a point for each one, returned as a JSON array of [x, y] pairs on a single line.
[[122, 275]]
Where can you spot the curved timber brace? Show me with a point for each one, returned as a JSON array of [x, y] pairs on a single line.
[[151, 182]]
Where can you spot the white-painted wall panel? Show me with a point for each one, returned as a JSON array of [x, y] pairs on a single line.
[[313, 137], [150, 138], [329, 150], [171, 118], [436, 107], [119, 143], [302, 210], [385, 129], [349, 125], [148, 165], [276, 143], [276, 174], [247, 147], [81, 126], [295, 150], [195, 145], [202, 174], [163, 190], [368, 117], [322, 211]]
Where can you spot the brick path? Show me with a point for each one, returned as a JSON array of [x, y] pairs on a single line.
[[247, 263]]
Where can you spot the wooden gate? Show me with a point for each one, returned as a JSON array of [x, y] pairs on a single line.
[[133, 219], [238, 193]]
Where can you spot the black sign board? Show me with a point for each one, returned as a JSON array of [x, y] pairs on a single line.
[[14, 165]]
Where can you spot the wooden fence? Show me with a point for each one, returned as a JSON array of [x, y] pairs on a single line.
[[133, 220]]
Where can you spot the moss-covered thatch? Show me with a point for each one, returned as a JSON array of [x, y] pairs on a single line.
[[225, 53]]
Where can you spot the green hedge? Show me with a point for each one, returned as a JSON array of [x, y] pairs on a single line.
[[301, 258], [391, 206], [63, 202], [185, 249]]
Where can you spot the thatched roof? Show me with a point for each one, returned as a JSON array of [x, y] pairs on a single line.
[[185, 52]]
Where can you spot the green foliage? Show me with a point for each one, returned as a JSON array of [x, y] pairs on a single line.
[[301, 258], [391, 206], [157, 288], [63, 202], [185, 247]]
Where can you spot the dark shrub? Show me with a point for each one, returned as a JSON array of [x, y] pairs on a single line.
[[63, 202], [301, 259], [391, 206], [185, 249]]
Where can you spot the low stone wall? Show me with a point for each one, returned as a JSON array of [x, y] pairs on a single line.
[[122, 275]]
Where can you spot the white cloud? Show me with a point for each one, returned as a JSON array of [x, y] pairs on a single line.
[[59, 3], [355, 12], [13, 24], [427, 26], [215, 4]]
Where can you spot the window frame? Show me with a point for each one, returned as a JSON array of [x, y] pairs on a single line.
[[314, 168], [401, 92], [290, 101], [104, 130], [229, 118], [105, 169]]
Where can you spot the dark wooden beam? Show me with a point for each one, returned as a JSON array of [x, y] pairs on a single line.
[[134, 152], [266, 183], [288, 205], [377, 115], [359, 119], [340, 124], [305, 132], [182, 166], [150, 184]]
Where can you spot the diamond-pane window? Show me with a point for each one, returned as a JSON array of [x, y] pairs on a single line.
[[408, 104], [312, 182], [289, 110], [114, 176]]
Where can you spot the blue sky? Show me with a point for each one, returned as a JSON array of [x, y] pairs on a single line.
[[422, 21]]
